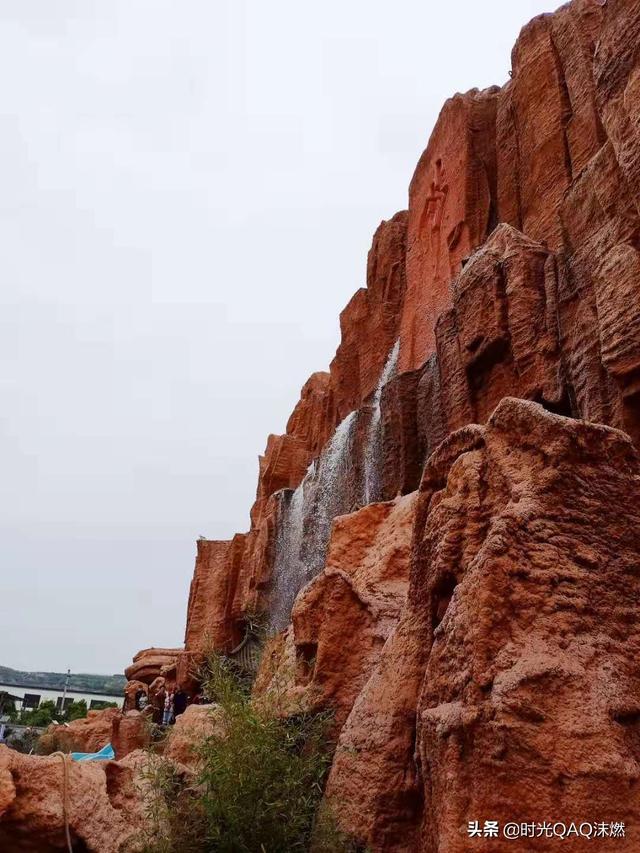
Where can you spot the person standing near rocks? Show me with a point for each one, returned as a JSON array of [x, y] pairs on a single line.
[[167, 717], [180, 702]]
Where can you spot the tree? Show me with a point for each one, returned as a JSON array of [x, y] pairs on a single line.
[[76, 711], [42, 716], [8, 707]]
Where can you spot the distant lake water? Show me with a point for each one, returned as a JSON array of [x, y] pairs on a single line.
[[54, 694]]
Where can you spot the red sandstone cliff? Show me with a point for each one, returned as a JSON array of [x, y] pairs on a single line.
[[515, 271], [479, 636], [510, 685]]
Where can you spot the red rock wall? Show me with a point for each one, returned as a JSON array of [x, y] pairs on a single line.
[[451, 211], [370, 323], [515, 273], [209, 588], [342, 619], [231, 579], [508, 690], [548, 310], [545, 306], [572, 183], [149, 664], [107, 809]]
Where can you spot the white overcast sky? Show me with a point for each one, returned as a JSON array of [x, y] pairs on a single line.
[[189, 190]]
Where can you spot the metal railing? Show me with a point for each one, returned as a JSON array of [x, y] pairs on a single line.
[[247, 653]]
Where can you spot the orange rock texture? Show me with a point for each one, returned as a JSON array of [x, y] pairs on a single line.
[[150, 664], [89, 734], [125, 731], [104, 807], [509, 686], [197, 723], [342, 618]]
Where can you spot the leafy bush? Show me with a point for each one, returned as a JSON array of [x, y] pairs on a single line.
[[174, 812], [41, 716], [258, 788], [46, 713], [75, 711]]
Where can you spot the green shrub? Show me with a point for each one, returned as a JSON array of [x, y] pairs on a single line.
[[75, 711], [175, 817], [258, 787], [47, 712], [41, 716]]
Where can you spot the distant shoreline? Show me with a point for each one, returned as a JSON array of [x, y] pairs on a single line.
[[55, 688], [84, 683]]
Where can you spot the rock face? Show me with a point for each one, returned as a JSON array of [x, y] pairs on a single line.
[[514, 665], [515, 271], [476, 641], [105, 810], [89, 734], [197, 722], [369, 325], [153, 672], [343, 618], [107, 802], [451, 211], [150, 664], [126, 732], [509, 540], [235, 578]]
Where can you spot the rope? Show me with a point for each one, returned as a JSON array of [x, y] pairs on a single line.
[[65, 798]]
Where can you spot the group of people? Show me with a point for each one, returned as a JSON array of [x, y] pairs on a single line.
[[165, 711]]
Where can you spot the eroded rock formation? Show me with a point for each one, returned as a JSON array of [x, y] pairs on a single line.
[[106, 805], [477, 641], [510, 687], [191, 728], [126, 731], [342, 618], [515, 271], [103, 808]]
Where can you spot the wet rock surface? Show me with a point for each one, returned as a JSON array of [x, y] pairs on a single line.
[[342, 618]]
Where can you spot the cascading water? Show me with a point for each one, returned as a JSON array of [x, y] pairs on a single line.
[[305, 515], [304, 522], [373, 450]]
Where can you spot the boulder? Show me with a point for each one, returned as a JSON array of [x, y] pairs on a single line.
[[153, 663], [89, 734], [190, 730], [104, 806]]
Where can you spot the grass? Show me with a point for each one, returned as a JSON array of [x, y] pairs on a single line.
[[257, 789]]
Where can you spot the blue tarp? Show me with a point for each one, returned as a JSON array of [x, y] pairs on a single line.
[[105, 754]]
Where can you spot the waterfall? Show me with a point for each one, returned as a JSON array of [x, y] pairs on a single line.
[[286, 568], [304, 522], [373, 450]]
